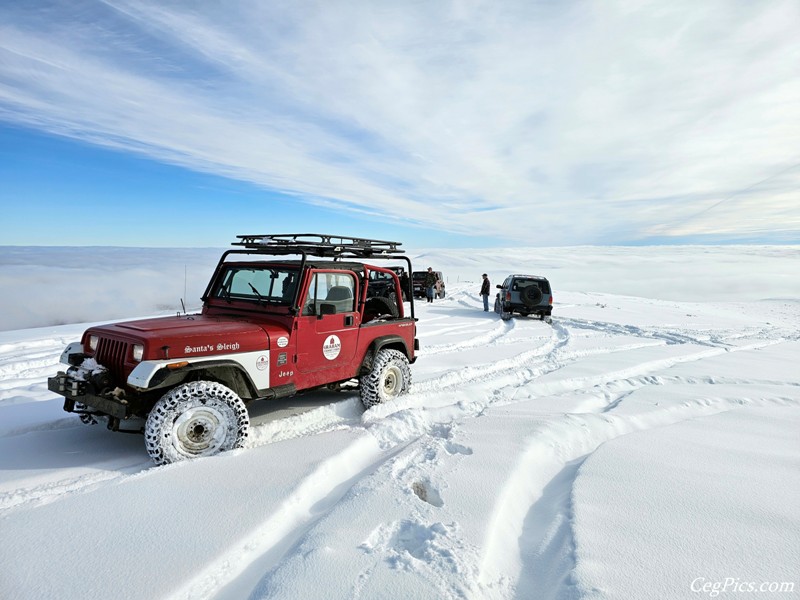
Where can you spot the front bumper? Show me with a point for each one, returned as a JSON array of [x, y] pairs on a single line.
[[78, 391]]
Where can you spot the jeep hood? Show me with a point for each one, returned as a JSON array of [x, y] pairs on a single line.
[[192, 335]]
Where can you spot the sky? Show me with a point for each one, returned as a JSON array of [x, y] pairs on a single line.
[[450, 124]]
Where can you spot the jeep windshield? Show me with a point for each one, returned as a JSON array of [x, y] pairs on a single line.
[[262, 284]]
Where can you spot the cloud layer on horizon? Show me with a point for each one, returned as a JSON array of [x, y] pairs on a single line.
[[103, 283], [552, 123]]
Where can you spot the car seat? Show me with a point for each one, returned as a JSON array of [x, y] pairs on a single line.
[[341, 297]]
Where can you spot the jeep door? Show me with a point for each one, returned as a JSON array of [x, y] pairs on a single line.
[[327, 328]]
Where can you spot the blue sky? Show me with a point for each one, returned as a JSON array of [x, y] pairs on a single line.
[[462, 123]]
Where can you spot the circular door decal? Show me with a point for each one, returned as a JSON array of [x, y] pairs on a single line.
[[331, 347], [282, 342], [262, 362]]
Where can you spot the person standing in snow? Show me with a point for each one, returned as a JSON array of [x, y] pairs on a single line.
[[485, 285], [405, 285], [430, 283]]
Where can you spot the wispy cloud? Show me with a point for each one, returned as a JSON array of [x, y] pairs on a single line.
[[547, 122]]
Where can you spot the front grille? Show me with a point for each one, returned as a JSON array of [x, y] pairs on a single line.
[[111, 354]]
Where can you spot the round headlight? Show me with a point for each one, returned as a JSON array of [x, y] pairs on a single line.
[[138, 352], [93, 342]]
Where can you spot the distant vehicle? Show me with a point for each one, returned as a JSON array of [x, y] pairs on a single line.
[[381, 284], [269, 328], [418, 284], [525, 294]]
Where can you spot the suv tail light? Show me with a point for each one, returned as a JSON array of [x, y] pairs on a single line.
[[551, 300], [508, 296]]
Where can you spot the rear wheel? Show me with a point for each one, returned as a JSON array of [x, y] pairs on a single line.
[[195, 419], [389, 378]]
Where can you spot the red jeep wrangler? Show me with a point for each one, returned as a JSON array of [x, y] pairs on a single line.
[[269, 328]]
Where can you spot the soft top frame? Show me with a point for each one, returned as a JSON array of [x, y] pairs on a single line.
[[312, 244]]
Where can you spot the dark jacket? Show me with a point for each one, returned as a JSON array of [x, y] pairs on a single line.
[[430, 279], [485, 287]]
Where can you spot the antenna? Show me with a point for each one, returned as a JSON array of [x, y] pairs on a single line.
[[184, 289]]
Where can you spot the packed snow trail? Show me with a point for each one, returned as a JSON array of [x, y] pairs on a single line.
[[464, 488]]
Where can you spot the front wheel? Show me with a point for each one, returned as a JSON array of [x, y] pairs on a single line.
[[195, 419], [389, 378]]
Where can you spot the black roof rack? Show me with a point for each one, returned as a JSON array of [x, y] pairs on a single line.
[[316, 244]]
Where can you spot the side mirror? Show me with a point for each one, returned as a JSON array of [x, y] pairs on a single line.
[[499, 287]]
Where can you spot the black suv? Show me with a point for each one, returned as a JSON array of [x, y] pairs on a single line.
[[418, 281], [382, 284], [525, 294]]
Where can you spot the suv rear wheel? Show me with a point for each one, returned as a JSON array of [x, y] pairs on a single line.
[[390, 377], [200, 418]]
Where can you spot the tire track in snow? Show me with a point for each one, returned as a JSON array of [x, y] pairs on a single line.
[[558, 339], [38, 354], [46, 426], [533, 504], [634, 371], [499, 331], [314, 422], [245, 565], [348, 414], [25, 366], [55, 490], [670, 336]]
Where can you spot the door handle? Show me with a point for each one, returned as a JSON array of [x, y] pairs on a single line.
[[348, 320]]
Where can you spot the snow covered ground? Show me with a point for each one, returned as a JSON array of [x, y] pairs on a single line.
[[641, 446]]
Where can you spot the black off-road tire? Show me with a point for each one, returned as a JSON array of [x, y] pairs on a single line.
[[531, 295], [200, 418], [389, 378]]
